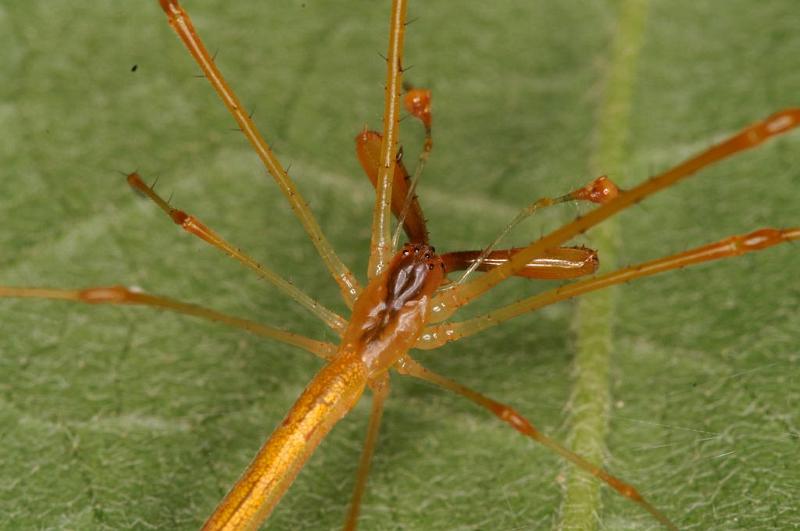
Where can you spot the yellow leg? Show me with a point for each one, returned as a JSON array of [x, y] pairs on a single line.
[[751, 136], [380, 391], [381, 245], [180, 22], [507, 414], [194, 226], [436, 336], [123, 296]]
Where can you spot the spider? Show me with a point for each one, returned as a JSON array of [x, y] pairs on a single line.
[[131, 328]]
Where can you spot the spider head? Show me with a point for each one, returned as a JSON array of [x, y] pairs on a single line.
[[391, 312], [414, 272]]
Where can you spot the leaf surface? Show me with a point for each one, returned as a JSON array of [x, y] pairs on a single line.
[[123, 417]]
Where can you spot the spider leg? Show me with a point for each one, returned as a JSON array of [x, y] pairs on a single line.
[[180, 22], [437, 335], [381, 244], [380, 391], [194, 226], [410, 367], [120, 295], [751, 136]]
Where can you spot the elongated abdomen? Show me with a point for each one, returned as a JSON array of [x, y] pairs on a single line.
[[329, 396]]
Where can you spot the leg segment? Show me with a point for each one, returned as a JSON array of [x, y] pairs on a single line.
[[194, 226], [180, 22], [505, 413], [123, 296], [437, 336], [749, 137], [381, 245], [380, 391]]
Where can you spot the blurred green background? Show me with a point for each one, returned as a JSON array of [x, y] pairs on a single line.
[[127, 418]]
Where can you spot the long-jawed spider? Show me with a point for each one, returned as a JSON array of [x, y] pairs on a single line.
[[82, 463]]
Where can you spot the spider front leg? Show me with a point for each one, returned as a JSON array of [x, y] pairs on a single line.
[[180, 22], [749, 137], [380, 243]]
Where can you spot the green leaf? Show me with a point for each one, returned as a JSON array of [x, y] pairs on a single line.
[[124, 417]]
